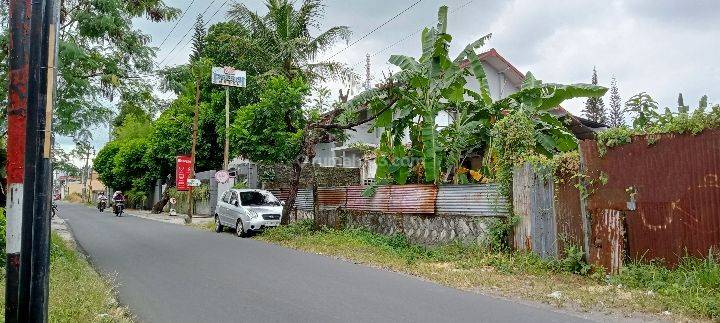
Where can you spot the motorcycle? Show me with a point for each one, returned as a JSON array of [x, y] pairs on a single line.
[[119, 206], [101, 206]]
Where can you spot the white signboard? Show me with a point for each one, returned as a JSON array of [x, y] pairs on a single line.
[[194, 182], [222, 176], [228, 76]]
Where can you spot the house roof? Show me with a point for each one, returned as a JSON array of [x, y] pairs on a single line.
[[581, 127], [494, 59]]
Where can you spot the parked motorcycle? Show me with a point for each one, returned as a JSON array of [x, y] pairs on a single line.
[[119, 206], [102, 205]]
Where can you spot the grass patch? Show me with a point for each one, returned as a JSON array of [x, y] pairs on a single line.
[[205, 226], [690, 291], [77, 292]]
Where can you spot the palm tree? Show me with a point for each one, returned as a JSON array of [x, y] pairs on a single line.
[[284, 38]]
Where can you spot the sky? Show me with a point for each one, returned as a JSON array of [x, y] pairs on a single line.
[[662, 47]]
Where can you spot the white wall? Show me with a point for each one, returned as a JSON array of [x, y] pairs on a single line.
[[495, 79]]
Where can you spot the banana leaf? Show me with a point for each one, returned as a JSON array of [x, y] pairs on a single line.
[[429, 151]]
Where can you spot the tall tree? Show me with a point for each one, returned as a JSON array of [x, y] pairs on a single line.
[[286, 42], [616, 115], [682, 108], [594, 106], [99, 54], [645, 109], [198, 40], [703, 102]]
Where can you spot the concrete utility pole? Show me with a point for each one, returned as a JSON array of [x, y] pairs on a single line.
[[227, 128], [85, 176], [191, 202], [90, 190], [18, 48]]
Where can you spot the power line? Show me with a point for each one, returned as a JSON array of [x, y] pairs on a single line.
[[186, 34], [372, 31], [204, 25], [407, 36], [176, 23]]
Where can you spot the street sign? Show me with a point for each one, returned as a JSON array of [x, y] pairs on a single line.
[[193, 182], [182, 172], [228, 76], [222, 176]]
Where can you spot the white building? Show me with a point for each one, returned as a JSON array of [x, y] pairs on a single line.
[[503, 79]]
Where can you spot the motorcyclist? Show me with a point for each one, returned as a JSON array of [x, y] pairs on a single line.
[[118, 197], [102, 200]]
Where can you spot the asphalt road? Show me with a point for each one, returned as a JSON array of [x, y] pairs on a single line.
[[172, 273]]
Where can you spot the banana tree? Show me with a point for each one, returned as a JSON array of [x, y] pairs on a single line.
[[435, 83], [428, 85], [536, 99]]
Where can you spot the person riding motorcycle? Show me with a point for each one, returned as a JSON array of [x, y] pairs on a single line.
[[102, 201], [118, 197]]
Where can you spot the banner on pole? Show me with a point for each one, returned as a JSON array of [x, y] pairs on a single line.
[[228, 76], [182, 172]]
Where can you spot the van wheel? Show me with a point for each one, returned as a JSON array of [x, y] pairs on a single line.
[[218, 226], [239, 229]]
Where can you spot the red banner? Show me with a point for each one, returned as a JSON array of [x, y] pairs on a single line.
[[182, 172]]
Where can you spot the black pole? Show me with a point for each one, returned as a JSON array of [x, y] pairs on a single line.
[[37, 12], [19, 24], [35, 254]]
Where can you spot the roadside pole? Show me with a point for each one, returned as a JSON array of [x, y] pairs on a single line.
[[35, 244], [227, 76], [191, 203], [19, 25], [227, 128], [85, 176]]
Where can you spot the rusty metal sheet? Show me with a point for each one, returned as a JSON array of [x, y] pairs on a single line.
[[412, 199], [280, 193], [331, 196], [676, 190], [472, 200], [608, 245], [376, 203], [568, 215]]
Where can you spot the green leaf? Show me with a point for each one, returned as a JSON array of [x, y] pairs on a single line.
[[404, 62], [442, 19], [384, 119], [479, 72], [402, 173], [548, 96], [530, 81], [429, 151]]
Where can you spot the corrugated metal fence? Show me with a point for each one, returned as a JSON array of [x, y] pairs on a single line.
[[662, 199], [303, 201], [472, 200], [466, 200]]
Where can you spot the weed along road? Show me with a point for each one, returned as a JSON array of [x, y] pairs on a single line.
[[172, 273]]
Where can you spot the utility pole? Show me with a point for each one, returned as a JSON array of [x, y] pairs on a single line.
[[35, 244], [90, 190], [191, 203], [85, 175], [227, 128], [19, 25]]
